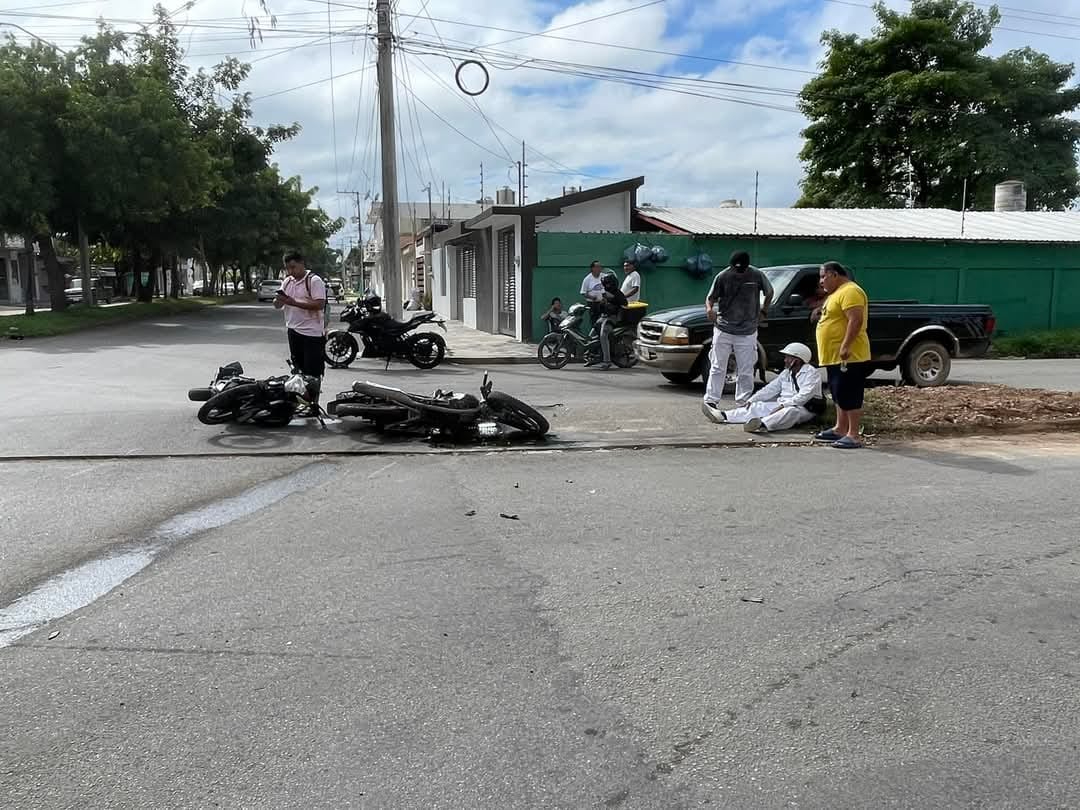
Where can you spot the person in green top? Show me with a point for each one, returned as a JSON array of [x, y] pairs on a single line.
[[844, 353]]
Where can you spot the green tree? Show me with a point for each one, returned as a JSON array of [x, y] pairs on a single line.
[[34, 88], [917, 108], [132, 161]]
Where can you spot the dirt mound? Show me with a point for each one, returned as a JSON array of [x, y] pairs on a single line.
[[969, 407]]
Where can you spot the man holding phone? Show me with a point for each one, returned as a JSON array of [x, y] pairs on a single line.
[[303, 297]]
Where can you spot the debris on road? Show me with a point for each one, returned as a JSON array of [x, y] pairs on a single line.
[[966, 408], [53, 634], [757, 600], [470, 513], [508, 517]]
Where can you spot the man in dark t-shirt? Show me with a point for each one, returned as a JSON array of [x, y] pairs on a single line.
[[736, 302]]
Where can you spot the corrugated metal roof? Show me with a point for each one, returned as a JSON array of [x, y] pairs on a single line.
[[873, 223]]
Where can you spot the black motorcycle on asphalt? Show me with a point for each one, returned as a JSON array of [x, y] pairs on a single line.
[[273, 402], [444, 414], [382, 336]]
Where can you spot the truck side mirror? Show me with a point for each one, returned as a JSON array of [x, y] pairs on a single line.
[[795, 300]]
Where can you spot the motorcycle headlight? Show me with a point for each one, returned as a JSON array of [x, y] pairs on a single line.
[[296, 385], [675, 336]]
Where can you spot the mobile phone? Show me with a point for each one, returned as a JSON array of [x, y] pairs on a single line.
[[280, 292]]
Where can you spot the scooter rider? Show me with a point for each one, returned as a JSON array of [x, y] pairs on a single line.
[[611, 306]]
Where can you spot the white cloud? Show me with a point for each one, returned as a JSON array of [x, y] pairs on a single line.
[[691, 150]]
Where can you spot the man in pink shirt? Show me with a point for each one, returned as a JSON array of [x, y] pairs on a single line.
[[303, 297]]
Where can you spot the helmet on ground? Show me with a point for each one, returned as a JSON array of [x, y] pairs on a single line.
[[609, 280], [800, 350]]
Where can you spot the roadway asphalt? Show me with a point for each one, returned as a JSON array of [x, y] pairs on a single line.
[[657, 629], [663, 628], [123, 391]]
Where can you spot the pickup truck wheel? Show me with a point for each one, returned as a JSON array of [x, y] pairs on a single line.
[[705, 367], [927, 365], [678, 379]]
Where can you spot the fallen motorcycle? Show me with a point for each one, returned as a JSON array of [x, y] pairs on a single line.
[[382, 336], [444, 414], [273, 402]]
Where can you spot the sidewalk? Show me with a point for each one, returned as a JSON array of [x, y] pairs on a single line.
[[19, 309], [473, 347]]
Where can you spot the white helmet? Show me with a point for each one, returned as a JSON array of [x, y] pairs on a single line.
[[800, 350]]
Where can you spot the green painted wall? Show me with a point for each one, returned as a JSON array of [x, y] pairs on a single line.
[[1029, 286]]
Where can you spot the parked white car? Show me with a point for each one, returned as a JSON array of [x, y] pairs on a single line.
[[267, 289]]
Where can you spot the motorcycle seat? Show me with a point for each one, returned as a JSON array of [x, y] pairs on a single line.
[[401, 326]]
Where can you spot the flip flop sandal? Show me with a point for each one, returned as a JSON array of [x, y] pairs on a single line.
[[846, 443]]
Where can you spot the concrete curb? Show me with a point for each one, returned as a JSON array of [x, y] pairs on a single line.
[[491, 361], [555, 445], [418, 449]]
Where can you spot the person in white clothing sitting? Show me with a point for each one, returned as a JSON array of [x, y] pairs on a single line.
[[791, 399]]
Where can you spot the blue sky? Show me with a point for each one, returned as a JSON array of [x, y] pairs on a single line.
[[692, 150]]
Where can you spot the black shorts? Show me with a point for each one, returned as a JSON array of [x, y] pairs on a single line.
[[847, 386], [307, 353]]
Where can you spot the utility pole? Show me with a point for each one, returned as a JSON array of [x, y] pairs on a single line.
[[31, 273], [524, 175], [391, 237], [359, 231], [84, 264], [481, 184]]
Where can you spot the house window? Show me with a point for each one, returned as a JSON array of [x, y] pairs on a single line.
[[468, 272]]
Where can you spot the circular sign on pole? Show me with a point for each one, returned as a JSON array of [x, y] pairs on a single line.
[[462, 87]]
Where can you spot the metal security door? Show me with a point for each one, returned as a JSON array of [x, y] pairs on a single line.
[[504, 260]]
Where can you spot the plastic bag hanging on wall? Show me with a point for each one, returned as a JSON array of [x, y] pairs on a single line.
[[699, 266]]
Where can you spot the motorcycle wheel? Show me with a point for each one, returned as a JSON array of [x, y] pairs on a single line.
[[517, 414], [623, 354], [553, 352], [425, 350], [225, 407], [340, 350]]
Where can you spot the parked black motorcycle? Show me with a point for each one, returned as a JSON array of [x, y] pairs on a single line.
[[444, 414], [273, 402], [382, 336]]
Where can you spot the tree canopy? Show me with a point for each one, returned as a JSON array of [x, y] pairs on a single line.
[[917, 108], [154, 161]]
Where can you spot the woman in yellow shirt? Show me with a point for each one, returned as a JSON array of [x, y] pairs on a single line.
[[844, 352]]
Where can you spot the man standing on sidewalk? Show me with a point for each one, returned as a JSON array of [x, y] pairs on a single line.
[[303, 297], [844, 352], [734, 305], [631, 286]]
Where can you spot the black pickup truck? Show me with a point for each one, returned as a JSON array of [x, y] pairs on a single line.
[[920, 339]]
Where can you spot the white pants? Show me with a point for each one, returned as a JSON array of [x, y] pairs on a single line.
[[783, 419], [744, 347]]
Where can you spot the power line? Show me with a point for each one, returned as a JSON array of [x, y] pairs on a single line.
[[509, 62], [311, 84], [400, 79], [617, 78], [476, 143], [569, 170], [414, 119], [359, 108], [632, 48], [575, 24], [474, 102]]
